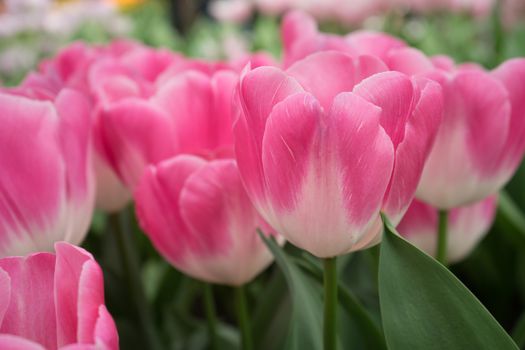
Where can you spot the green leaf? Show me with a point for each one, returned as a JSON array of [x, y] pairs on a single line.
[[307, 319], [424, 306]]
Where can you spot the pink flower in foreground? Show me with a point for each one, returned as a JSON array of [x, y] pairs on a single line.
[[46, 183], [200, 219], [466, 227], [325, 145], [481, 141], [50, 302]]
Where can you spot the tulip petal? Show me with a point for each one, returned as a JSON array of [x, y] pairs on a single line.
[[90, 298], [374, 43], [135, 133], [512, 75], [223, 222], [159, 189], [31, 314], [325, 74], [12, 342], [29, 204], [412, 152], [106, 330], [409, 61], [5, 293], [68, 273]]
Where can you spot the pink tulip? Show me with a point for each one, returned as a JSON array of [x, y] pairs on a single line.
[[301, 38], [466, 227], [482, 138], [189, 113], [200, 219], [50, 301], [325, 145], [46, 187], [104, 74]]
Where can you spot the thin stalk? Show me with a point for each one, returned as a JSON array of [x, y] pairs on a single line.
[[441, 251], [211, 315], [330, 304], [131, 264], [243, 319]]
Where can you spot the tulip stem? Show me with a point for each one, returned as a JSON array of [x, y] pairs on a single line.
[[131, 265], [330, 304], [243, 319], [441, 251], [211, 315]]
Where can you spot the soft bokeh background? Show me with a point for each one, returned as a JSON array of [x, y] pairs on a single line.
[[486, 32]]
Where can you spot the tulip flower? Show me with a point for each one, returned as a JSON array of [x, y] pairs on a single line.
[[467, 226], [198, 216], [301, 38], [481, 141], [326, 145], [47, 186], [50, 301]]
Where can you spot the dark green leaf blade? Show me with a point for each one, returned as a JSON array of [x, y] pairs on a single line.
[[424, 306], [307, 319]]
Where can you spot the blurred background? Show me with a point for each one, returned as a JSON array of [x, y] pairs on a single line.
[[484, 31]]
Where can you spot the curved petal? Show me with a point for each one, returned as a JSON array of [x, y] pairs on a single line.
[[31, 314], [412, 152], [325, 74], [463, 165], [135, 133], [90, 298], [29, 205], [69, 268], [374, 43], [409, 61], [512, 75], [106, 330], [5, 293], [223, 222], [12, 342], [157, 205]]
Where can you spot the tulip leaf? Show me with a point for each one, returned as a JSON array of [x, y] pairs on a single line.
[[307, 320], [424, 306]]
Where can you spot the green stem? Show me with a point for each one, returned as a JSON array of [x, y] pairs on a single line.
[[330, 304], [131, 264], [441, 251], [243, 318], [211, 315]]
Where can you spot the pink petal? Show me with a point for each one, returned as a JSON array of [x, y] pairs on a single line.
[[259, 91], [225, 247], [512, 75], [106, 330], [393, 92], [374, 43], [5, 293], [31, 312], [69, 273], [296, 25], [409, 61], [29, 204], [11, 342], [157, 205], [325, 74], [135, 133], [412, 152], [90, 298]]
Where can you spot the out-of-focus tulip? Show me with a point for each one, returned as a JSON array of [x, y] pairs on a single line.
[[189, 113], [301, 38], [325, 145], [50, 301], [46, 187], [482, 138], [466, 227], [200, 219]]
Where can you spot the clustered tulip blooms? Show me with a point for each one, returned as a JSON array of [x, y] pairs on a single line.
[[311, 150]]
